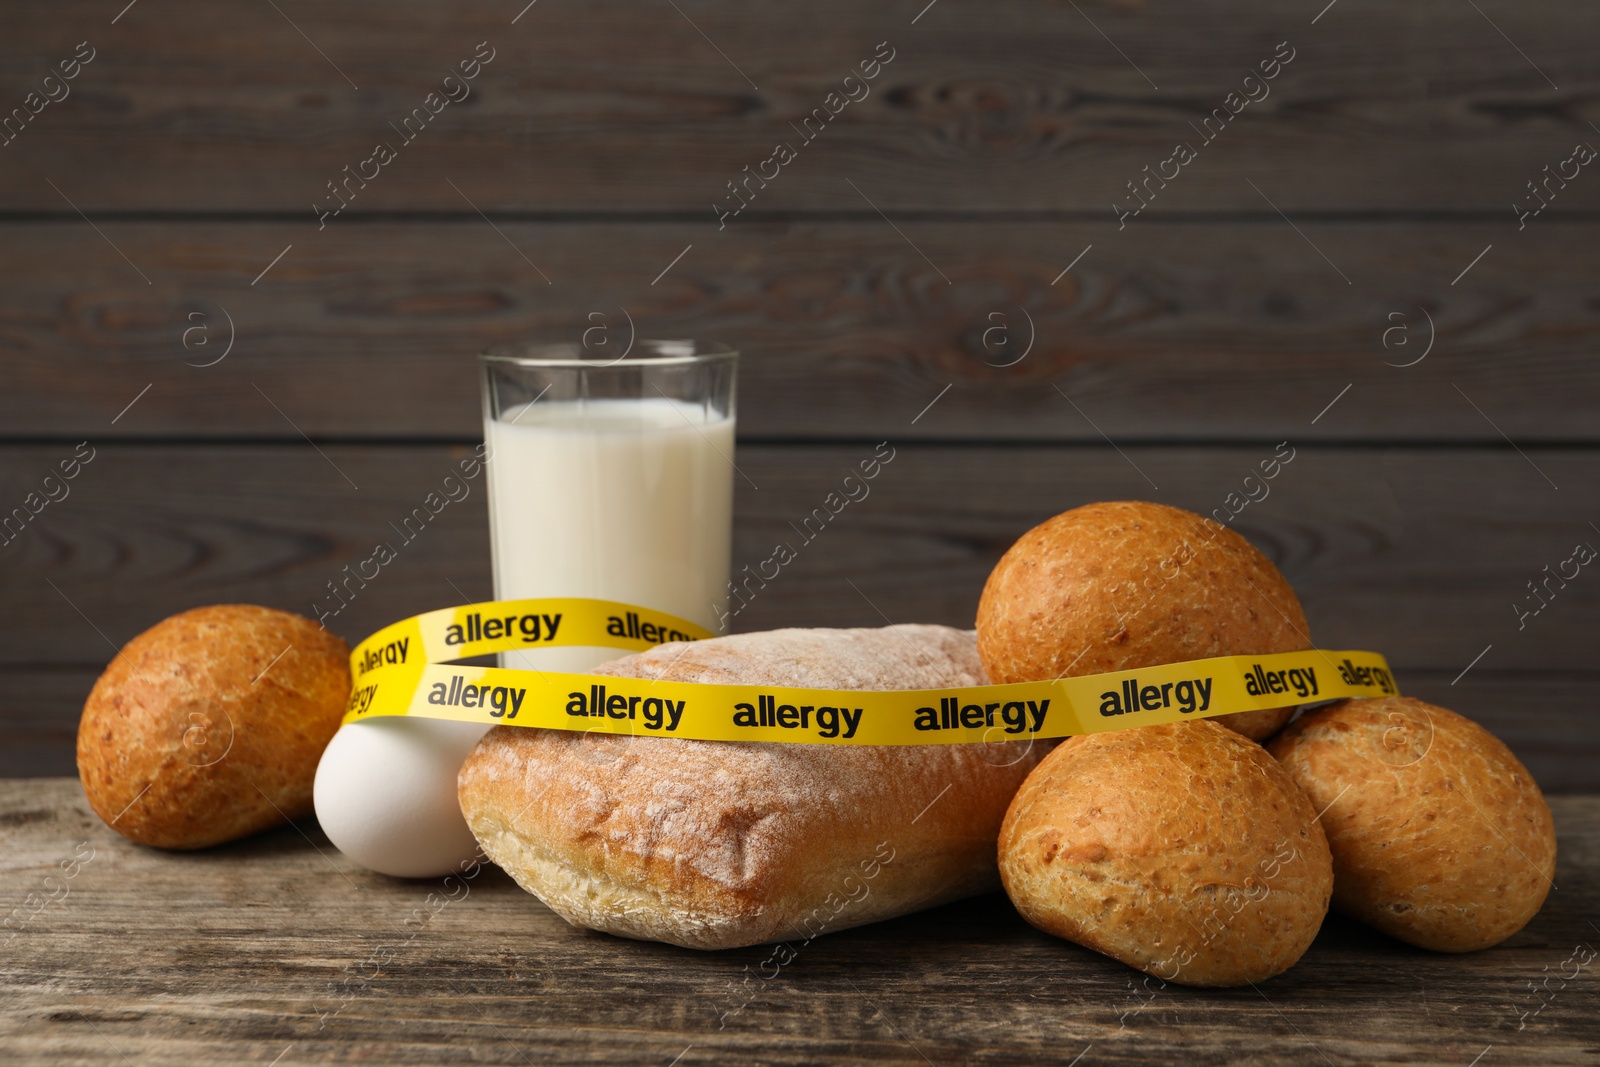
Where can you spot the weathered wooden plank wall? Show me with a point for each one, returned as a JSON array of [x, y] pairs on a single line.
[[1190, 331], [620, 105], [1309, 255]]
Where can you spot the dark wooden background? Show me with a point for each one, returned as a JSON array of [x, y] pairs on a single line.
[[1255, 290]]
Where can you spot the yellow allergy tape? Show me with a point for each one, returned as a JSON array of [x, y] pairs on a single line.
[[403, 669]]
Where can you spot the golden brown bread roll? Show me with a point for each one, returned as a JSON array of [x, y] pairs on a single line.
[[1440, 836], [208, 726], [722, 844], [1181, 849], [1126, 584]]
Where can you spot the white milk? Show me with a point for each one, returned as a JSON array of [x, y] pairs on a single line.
[[627, 500]]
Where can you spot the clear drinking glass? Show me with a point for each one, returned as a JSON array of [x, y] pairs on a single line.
[[610, 479]]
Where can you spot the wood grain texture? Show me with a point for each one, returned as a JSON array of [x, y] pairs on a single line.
[[271, 947], [1194, 332], [619, 105], [999, 141], [1418, 553], [1408, 550]]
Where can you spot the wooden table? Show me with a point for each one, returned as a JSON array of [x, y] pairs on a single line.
[[278, 950]]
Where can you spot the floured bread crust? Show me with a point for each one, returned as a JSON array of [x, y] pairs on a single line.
[[722, 844]]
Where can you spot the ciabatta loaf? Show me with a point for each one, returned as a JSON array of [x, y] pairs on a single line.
[[721, 844]]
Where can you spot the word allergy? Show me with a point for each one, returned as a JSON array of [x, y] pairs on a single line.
[[766, 711], [598, 704], [501, 700], [630, 625], [1013, 714], [1184, 153], [531, 628]]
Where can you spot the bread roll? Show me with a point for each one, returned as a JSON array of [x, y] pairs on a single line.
[[1115, 586], [1181, 849], [208, 726], [716, 845], [1440, 836]]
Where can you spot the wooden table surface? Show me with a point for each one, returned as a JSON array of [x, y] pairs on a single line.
[[277, 950]]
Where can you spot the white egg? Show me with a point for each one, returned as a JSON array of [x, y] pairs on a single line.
[[385, 794]]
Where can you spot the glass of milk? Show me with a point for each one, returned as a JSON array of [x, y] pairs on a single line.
[[610, 478]]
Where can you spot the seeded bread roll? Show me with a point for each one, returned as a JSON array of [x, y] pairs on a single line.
[[716, 845], [208, 726], [1440, 836], [1181, 849], [1115, 586]]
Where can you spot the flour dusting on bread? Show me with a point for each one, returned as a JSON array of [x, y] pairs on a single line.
[[721, 844]]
